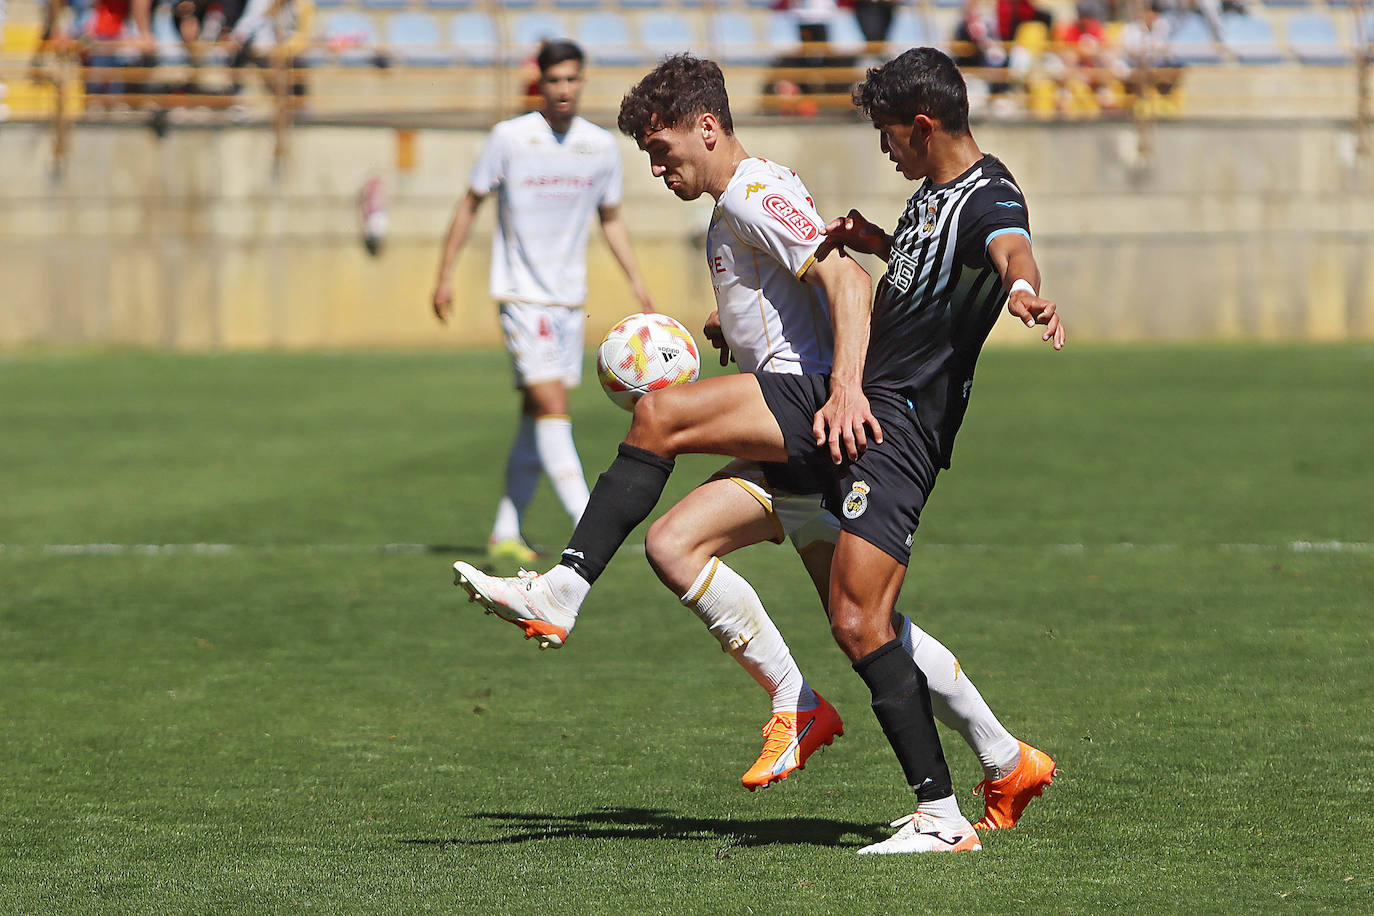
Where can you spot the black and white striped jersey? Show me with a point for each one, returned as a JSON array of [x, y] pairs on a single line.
[[940, 296]]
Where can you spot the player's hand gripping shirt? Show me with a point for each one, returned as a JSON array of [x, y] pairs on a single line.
[[763, 236], [940, 296], [549, 186]]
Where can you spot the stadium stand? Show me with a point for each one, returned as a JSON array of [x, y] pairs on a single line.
[[1046, 74], [605, 36], [350, 38], [1314, 40], [735, 40], [668, 31], [528, 29], [1192, 41], [474, 40], [415, 39], [909, 30], [1250, 38]]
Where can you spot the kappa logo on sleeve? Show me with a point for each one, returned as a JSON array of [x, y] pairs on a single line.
[[797, 222]]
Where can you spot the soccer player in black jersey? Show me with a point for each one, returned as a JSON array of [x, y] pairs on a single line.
[[871, 437]]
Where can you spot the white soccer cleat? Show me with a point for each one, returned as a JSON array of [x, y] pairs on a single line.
[[523, 600], [923, 832]]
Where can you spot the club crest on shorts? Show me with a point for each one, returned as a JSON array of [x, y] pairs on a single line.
[[857, 501]]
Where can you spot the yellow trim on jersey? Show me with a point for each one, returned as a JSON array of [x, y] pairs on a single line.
[[693, 599], [805, 267]]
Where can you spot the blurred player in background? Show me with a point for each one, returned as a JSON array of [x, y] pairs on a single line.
[[551, 170], [773, 316]]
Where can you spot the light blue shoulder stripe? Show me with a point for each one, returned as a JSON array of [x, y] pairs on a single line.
[[994, 235]]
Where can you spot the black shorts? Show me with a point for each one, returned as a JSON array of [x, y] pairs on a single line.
[[878, 497]]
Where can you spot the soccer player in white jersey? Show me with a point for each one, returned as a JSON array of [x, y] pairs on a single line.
[[551, 171], [773, 316]]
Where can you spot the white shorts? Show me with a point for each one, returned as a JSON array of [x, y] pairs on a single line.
[[545, 342], [799, 517]]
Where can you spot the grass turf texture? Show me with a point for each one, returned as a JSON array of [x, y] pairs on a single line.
[[309, 719]]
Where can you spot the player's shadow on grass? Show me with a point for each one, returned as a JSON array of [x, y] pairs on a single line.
[[650, 824]]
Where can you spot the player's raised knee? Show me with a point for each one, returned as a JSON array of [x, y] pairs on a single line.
[[653, 424], [666, 547]]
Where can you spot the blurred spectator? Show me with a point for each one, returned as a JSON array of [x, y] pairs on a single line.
[[271, 31], [875, 19], [979, 51], [1083, 48], [1082, 40], [201, 23], [1145, 61], [1011, 14], [978, 43], [813, 19], [1082, 43], [103, 33]]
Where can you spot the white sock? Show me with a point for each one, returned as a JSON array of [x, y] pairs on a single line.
[[946, 809], [522, 476], [958, 704], [559, 456], [732, 611], [567, 587]]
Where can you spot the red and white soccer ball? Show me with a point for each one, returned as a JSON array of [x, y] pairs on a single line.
[[644, 353]]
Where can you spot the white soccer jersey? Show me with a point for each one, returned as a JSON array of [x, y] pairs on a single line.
[[549, 186], [763, 236]]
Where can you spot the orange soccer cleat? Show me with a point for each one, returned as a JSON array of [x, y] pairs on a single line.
[[788, 739], [1004, 799]]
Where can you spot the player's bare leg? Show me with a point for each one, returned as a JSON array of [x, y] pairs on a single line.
[[684, 547], [725, 415], [864, 584]]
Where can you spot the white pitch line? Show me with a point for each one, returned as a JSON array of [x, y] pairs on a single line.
[[105, 549]]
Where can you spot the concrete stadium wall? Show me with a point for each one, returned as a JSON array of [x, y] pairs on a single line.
[[1248, 231]]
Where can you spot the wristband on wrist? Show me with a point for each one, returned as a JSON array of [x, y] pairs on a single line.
[[1021, 284]]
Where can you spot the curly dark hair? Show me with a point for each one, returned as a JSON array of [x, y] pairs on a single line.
[[919, 81], [677, 90]]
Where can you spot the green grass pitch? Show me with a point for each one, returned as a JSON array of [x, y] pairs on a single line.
[[1157, 563]]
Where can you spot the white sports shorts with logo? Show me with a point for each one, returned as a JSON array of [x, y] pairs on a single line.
[[545, 342], [800, 517]]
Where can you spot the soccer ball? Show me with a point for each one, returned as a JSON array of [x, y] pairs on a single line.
[[644, 353]]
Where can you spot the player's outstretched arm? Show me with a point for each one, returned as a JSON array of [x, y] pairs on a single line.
[[453, 243], [1011, 255], [618, 238], [844, 420], [857, 234]]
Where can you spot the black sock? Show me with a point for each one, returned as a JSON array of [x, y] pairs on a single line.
[[622, 498], [901, 701]]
